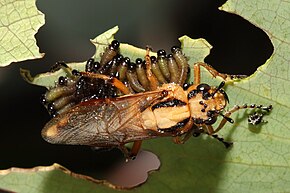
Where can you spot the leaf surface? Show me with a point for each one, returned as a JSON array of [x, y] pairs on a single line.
[[259, 159], [19, 22]]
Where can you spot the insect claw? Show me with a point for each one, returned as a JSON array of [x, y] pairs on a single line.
[[268, 109], [133, 157], [226, 144]]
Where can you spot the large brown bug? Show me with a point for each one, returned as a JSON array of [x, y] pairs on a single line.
[[166, 110]]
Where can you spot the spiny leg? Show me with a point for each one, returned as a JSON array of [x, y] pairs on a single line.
[[215, 73], [226, 116], [152, 79]]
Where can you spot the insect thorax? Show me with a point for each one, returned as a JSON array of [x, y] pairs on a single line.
[[206, 103], [167, 113]]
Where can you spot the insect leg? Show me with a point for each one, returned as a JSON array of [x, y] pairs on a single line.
[[125, 152], [226, 144], [196, 69], [215, 73], [181, 139], [152, 79], [62, 65], [210, 69], [210, 131], [226, 116], [135, 149], [117, 83], [187, 130], [131, 155]]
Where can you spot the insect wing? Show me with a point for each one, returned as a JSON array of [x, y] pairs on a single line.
[[103, 123]]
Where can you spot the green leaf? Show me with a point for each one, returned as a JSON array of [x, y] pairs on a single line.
[[259, 159], [45, 179], [19, 22]]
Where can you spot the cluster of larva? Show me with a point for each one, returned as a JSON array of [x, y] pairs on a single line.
[[75, 88]]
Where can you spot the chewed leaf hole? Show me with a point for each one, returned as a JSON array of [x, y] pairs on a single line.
[[135, 172]]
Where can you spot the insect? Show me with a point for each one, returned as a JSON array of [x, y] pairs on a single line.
[[74, 88], [169, 110], [110, 52]]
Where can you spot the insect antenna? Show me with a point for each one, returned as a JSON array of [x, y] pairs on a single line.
[[227, 118], [222, 84]]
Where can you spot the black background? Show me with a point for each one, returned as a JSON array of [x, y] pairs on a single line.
[[238, 48]]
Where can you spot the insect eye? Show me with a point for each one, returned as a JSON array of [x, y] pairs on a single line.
[[132, 66], [118, 58], [169, 56], [153, 58], [211, 113], [75, 72], [210, 120], [115, 44], [203, 88], [186, 85], [62, 80], [161, 53], [192, 94], [127, 60], [139, 61], [175, 49]]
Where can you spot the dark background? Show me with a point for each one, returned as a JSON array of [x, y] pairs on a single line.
[[238, 48]]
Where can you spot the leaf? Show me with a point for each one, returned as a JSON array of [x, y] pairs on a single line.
[[259, 159], [45, 179], [19, 22]]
